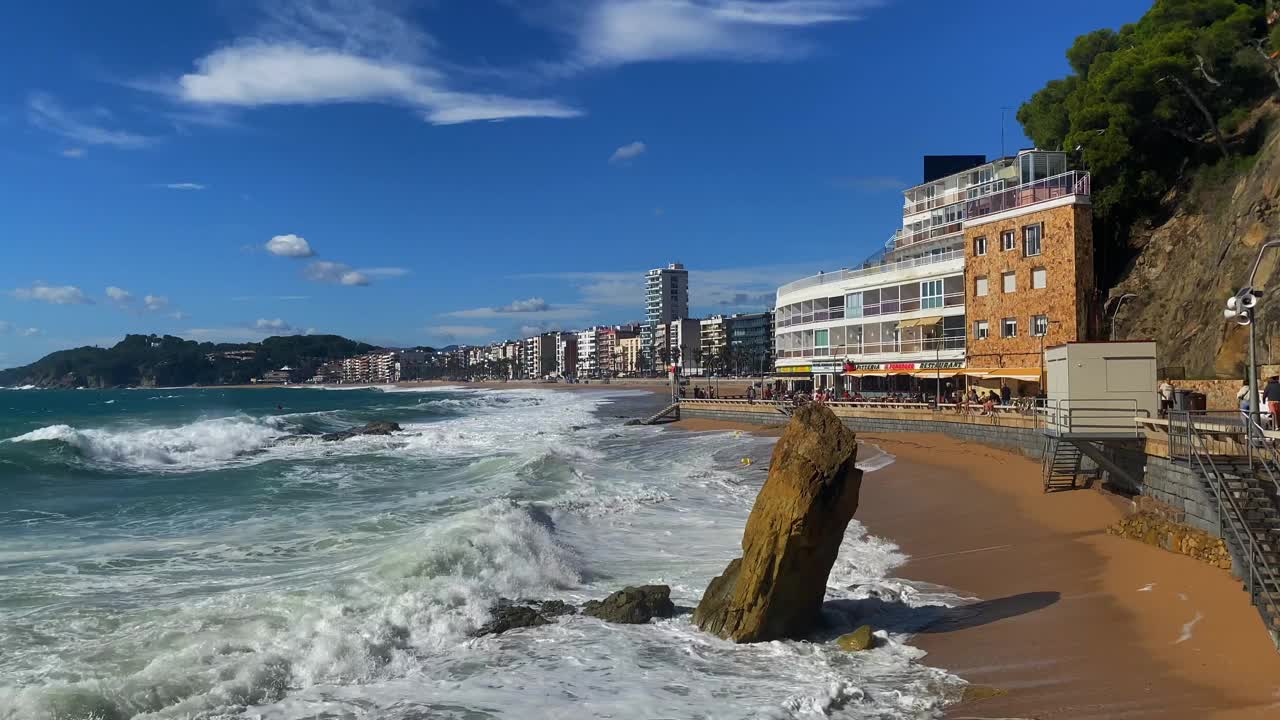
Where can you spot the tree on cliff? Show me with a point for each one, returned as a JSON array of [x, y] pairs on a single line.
[[1147, 103]]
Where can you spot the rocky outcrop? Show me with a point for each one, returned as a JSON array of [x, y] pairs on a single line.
[[1154, 528], [633, 605], [509, 615], [775, 590], [377, 427]]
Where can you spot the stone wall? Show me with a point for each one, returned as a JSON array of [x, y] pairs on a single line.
[[1065, 299], [1165, 527]]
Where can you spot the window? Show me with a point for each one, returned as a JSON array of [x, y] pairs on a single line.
[[835, 307], [980, 330], [853, 305], [1008, 240], [953, 291], [980, 286], [1009, 282], [1031, 240], [980, 246], [1039, 325], [1009, 328], [871, 303], [930, 294], [1039, 279], [889, 300], [820, 339]]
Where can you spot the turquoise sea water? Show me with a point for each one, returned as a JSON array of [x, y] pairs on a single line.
[[202, 554]]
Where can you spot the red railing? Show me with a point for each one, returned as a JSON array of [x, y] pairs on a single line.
[[1050, 188]]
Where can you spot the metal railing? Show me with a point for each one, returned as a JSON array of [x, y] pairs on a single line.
[[1112, 416], [904, 239], [844, 275], [1072, 182], [1262, 579]]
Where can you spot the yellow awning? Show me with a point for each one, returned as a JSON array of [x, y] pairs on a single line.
[[939, 373], [919, 322], [1031, 374]]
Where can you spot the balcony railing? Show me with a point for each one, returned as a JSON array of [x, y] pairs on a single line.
[[901, 347], [903, 239], [1050, 188], [844, 275]]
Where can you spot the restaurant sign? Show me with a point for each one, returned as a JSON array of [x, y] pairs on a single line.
[[819, 368], [795, 370], [924, 365]]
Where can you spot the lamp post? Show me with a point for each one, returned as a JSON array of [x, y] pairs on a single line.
[[1116, 311], [1240, 308], [1047, 323]]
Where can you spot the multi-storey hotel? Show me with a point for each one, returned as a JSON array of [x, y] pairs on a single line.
[[666, 298], [993, 262]]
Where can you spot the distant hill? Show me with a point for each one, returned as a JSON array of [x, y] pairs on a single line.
[[165, 360]]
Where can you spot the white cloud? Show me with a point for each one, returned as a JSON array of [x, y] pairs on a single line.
[[74, 153], [53, 294], [384, 272], [81, 126], [334, 272], [286, 72], [276, 325], [155, 302], [178, 315], [615, 32], [185, 186], [289, 246], [533, 304], [627, 152], [120, 296], [29, 332], [453, 333]]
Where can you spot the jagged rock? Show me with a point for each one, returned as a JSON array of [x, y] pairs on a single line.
[[378, 427], [509, 615], [860, 639], [775, 590], [633, 605], [634, 421], [556, 608]]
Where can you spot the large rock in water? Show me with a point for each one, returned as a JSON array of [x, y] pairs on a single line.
[[377, 427], [633, 605], [775, 590]]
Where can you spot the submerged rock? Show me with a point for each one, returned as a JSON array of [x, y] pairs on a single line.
[[508, 615], [378, 427], [860, 639], [633, 605], [775, 590]]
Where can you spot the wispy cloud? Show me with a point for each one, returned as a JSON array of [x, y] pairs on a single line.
[[627, 152], [384, 272], [289, 246], [119, 296], [83, 126], [459, 333], [184, 186], [74, 153], [531, 307], [155, 302], [272, 325], [338, 273], [313, 53], [53, 294], [617, 32]]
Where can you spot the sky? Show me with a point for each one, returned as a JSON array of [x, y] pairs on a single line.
[[464, 171]]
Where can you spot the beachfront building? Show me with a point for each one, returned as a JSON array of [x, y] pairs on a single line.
[[627, 359], [355, 369], [714, 340], [679, 342], [608, 347], [566, 354], [666, 298], [539, 355], [751, 343], [971, 252], [588, 355]]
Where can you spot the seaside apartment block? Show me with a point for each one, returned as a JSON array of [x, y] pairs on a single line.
[[992, 260], [666, 298]]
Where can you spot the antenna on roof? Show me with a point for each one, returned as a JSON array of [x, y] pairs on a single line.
[[1002, 111]]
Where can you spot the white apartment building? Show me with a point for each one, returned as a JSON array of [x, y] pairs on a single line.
[[679, 342], [903, 310], [666, 298], [588, 354]]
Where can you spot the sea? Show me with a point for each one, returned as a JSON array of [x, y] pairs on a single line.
[[201, 553]]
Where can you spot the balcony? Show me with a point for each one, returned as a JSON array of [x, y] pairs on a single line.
[[840, 276], [902, 239], [1032, 193]]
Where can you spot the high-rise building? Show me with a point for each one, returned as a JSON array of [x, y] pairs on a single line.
[[566, 354], [666, 298], [587, 354], [751, 342]]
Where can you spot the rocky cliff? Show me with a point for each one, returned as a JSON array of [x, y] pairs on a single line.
[[1183, 268]]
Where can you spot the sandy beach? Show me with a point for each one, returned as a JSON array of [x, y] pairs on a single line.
[[1069, 622]]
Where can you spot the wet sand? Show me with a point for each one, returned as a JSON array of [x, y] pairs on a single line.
[[1069, 621]]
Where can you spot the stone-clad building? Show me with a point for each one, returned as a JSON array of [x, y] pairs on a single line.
[[1029, 279]]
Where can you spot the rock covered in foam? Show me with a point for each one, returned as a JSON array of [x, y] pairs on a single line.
[[775, 590], [633, 605], [509, 615], [378, 427]]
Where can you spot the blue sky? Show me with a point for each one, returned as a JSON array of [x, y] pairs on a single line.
[[467, 170]]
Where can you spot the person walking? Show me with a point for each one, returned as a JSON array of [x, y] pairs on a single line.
[[1166, 398], [1272, 395], [1005, 393]]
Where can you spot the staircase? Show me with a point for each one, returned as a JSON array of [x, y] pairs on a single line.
[[1248, 520], [1061, 464], [672, 411]]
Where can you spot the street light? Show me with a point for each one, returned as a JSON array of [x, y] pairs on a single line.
[[1240, 309], [1116, 311]]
